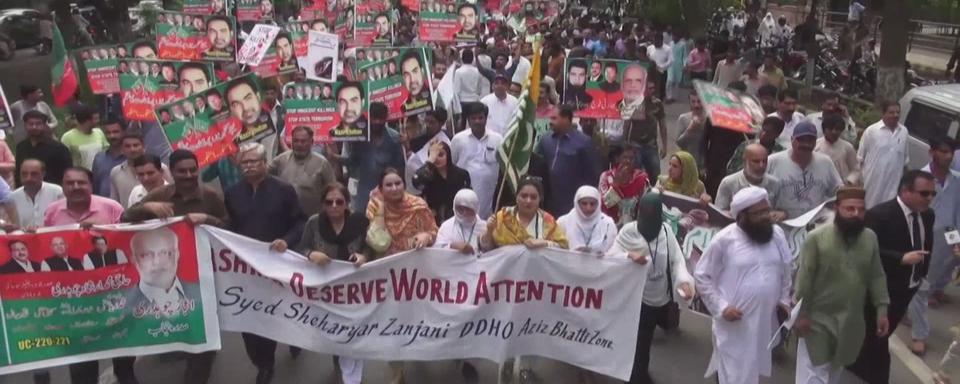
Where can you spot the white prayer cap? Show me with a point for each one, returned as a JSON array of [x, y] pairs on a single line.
[[747, 198]]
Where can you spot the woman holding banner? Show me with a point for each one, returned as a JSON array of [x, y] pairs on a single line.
[[683, 178], [650, 242], [532, 227], [400, 222], [588, 229], [335, 233]]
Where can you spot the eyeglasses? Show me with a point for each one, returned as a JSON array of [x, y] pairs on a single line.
[[335, 202]]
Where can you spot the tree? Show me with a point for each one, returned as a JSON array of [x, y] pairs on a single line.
[[695, 17], [891, 66]]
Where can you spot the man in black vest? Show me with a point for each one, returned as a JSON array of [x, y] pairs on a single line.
[[60, 261], [101, 256]]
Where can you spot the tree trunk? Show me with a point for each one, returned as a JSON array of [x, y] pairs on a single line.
[[893, 51], [695, 17]]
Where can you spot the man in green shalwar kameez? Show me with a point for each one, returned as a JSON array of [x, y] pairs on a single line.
[[839, 269]]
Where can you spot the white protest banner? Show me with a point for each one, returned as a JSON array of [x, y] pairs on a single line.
[[323, 52], [436, 304], [257, 43]]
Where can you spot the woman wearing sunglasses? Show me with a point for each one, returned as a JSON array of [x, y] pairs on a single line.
[[335, 233]]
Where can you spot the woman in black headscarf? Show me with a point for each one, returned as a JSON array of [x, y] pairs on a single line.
[[651, 242]]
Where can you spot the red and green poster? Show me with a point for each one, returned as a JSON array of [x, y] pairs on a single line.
[[344, 23], [400, 79], [206, 7], [313, 9], [254, 10], [604, 89], [468, 18], [102, 62], [439, 21], [145, 84], [729, 109], [70, 295], [6, 121], [63, 72], [273, 64], [182, 36], [373, 24], [333, 111], [212, 123]]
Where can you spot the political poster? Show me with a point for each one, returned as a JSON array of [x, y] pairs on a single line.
[[214, 122], [411, 5], [101, 63], [323, 52], [260, 40], [334, 112], [400, 81], [373, 24], [469, 20], [344, 23], [6, 118], [316, 9], [205, 7], [71, 295], [432, 305], [254, 10], [145, 84], [604, 89], [439, 21], [531, 11], [729, 109], [299, 32], [182, 36]]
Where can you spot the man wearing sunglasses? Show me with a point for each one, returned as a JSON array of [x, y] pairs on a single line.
[[904, 228], [265, 208]]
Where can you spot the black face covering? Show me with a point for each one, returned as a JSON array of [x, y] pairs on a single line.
[[650, 216], [850, 228]]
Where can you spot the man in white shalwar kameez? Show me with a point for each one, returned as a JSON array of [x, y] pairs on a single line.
[[883, 155], [744, 277]]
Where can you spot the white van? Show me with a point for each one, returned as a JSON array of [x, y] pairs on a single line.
[[930, 111]]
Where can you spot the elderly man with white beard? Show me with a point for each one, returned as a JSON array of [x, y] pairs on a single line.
[[744, 279]]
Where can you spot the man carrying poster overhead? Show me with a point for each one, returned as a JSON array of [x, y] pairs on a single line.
[[414, 79]]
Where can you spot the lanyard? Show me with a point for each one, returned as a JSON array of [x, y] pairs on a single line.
[[584, 235], [466, 239]]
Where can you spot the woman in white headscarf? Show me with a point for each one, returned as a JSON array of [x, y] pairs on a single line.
[[588, 229], [462, 231]]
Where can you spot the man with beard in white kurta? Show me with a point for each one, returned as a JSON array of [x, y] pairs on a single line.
[[883, 155], [744, 279]]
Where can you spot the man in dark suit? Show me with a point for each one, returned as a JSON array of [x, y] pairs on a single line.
[[19, 259], [904, 228], [101, 256], [60, 260]]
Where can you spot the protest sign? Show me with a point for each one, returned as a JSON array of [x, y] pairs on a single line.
[[344, 23], [411, 5], [254, 10], [205, 7], [145, 84], [272, 65], [260, 40], [468, 18], [299, 32], [730, 109], [101, 63], [183, 36], [72, 295], [439, 21], [323, 51], [314, 105], [212, 123], [400, 80], [433, 305], [604, 89], [6, 118], [531, 11], [373, 24], [315, 9]]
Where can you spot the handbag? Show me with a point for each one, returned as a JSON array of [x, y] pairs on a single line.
[[670, 316], [378, 238]]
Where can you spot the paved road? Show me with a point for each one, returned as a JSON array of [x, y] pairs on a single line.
[[26, 68]]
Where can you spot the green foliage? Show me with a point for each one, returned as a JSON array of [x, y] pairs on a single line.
[[670, 12]]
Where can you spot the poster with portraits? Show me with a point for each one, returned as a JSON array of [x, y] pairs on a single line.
[[6, 117], [258, 41], [254, 10], [333, 111], [182, 36], [344, 22], [531, 11], [213, 123], [604, 88], [316, 9], [439, 21], [729, 109], [101, 63], [145, 84], [72, 295], [206, 7], [469, 22], [299, 32], [400, 80], [373, 24], [323, 52]]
